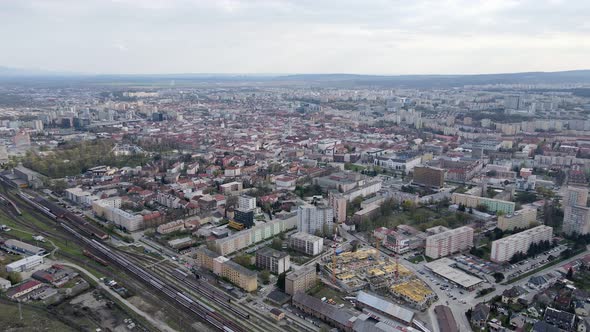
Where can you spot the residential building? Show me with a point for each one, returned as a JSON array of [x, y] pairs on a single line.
[[427, 176], [576, 215], [246, 238], [503, 249], [338, 203], [273, 260], [246, 202], [492, 205], [314, 219], [301, 280], [235, 273], [449, 242], [519, 219], [306, 243], [204, 258]]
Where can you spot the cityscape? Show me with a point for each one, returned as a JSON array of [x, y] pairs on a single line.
[[154, 201]]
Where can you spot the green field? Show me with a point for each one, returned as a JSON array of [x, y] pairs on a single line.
[[34, 319]]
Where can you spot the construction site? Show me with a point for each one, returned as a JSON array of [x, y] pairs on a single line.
[[367, 269]]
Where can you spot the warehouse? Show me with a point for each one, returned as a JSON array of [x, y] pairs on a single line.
[[22, 247], [24, 264]]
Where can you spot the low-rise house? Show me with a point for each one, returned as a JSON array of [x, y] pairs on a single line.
[[480, 314], [24, 289], [561, 319], [511, 295]]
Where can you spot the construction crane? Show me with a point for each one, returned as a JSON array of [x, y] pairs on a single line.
[[396, 255]]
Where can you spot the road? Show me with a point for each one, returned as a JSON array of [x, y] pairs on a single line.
[[155, 323]]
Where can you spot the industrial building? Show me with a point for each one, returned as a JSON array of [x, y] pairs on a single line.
[[519, 219], [449, 242], [503, 249], [306, 243], [22, 247], [24, 264], [444, 268], [427, 176], [301, 280], [372, 304], [273, 260]]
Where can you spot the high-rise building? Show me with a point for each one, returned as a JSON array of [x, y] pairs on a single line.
[[338, 203], [429, 176], [503, 249], [273, 260], [449, 242], [576, 216], [575, 196], [314, 219], [301, 280], [246, 202], [3, 154]]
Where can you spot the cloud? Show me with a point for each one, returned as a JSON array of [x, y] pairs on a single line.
[[371, 36]]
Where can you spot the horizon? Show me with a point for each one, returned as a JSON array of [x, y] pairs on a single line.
[[387, 38]]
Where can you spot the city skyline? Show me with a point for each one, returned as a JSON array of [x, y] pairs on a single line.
[[260, 37]]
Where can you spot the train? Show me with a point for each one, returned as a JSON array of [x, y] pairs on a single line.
[[209, 292], [56, 212], [95, 258], [197, 307]]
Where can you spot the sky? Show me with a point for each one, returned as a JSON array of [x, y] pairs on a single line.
[[386, 37]]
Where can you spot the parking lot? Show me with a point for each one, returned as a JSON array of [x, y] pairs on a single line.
[[517, 269]]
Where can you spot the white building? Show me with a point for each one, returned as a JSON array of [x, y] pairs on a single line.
[[449, 242], [5, 284], [306, 243], [246, 202], [312, 218], [576, 216], [503, 249], [24, 264]]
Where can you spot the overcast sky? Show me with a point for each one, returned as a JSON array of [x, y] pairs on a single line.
[[295, 36]]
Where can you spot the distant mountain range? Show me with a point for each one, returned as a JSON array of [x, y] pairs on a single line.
[[333, 80]]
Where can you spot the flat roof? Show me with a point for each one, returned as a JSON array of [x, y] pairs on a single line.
[[387, 307], [443, 268]]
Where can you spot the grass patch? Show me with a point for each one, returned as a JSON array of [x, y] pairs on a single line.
[[321, 291], [34, 319], [416, 259]]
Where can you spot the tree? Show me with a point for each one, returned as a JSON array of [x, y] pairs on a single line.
[[482, 208], [244, 260], [277, 243], [265, 277], [14, 277], [281, 281], [498, 276], [461, 207], [570, 274]]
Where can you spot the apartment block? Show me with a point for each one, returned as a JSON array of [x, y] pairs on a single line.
[[273, 260], [301, 280], [238, 275], [493, 205], [306, 243], [449, 242], [519, 219], [248, 237], [314, 219], [576, 216], [503, 249]]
